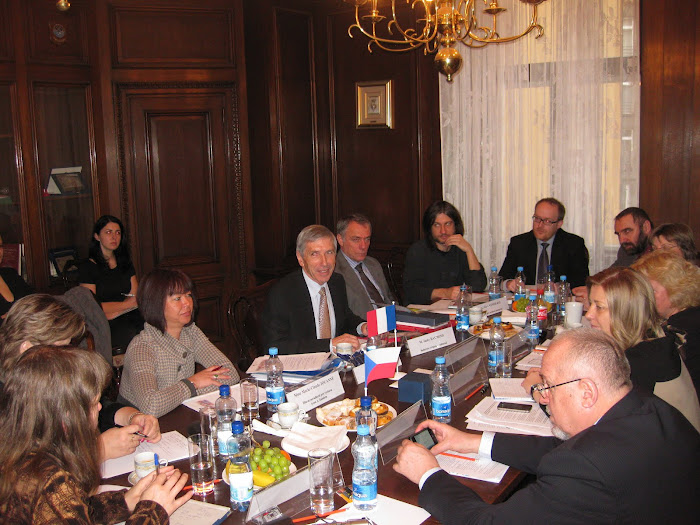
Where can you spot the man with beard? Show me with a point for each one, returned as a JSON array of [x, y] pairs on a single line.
[[619, 456], [439, 264]]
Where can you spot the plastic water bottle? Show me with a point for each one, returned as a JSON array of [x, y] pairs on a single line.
[[532, 325], [275, 381], [520, 287], [550, 286], [497, 349], [563, 297], [240, 477], [239, 444], [225, 410], [494, 284], [463, 303], [366, 416], [441, 401], [364, 473]]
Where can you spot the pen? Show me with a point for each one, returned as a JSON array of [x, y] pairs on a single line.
[[305, 518], [141, 434], [456, 456], [155, 460], [478, 389], [217, 368], [189, 487], [128, 295]]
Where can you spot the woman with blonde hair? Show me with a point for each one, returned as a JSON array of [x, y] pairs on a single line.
[[676, 285], [623, 306], [49, 459]]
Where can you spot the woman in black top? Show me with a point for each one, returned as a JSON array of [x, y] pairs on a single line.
[[12, 287], [110, 275]]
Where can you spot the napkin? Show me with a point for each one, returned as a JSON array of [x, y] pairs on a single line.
[[518, 318], [307, 437], [266, 429]]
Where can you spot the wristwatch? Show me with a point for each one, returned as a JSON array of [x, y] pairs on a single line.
[[532, 391]]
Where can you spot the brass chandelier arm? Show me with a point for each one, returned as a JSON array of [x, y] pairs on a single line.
[[534, 25]]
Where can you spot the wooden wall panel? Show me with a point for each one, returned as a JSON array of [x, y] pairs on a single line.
[[57, 37], [197, 37], [670, 125], [5, 31]]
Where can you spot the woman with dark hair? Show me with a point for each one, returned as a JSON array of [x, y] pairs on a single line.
[[676, 237], [439, 264], [50, 461], [12, 286], [110, 275], [159, 365]]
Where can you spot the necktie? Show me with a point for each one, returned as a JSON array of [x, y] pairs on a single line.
[[324, 316], [543, 262], [374, 294]]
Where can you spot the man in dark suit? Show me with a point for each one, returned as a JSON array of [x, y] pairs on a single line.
[[364, 278], [546, 244], [307, 308], [618, 456]]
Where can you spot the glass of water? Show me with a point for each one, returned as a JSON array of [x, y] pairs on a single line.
[[321, 480], [201, 463], [249, 400]]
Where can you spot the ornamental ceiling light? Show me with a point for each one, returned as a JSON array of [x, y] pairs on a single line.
[[440, 24]]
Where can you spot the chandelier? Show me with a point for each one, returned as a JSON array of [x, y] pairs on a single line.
[[440, 24]]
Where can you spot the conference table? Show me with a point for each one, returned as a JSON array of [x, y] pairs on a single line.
[[186, 421]]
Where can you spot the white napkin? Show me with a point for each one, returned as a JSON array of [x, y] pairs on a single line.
[[518, 318], [266, 429], [307, 437]]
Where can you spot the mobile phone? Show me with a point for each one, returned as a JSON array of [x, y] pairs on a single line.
[[425, 437], [516, 407]]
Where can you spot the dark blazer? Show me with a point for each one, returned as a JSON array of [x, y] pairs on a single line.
[[569, 257], [288, 322], [639, 464], [17, 286], [358, 300]]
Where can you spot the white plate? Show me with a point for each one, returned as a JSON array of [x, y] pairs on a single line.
[[487, 335], [303, 452], [392, 410], [224, 474]]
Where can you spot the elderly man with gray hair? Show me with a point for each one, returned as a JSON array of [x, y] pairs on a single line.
[[307, 310], [619, 456]]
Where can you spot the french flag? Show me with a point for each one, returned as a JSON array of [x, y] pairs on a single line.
[[381, 320], [380, 363]]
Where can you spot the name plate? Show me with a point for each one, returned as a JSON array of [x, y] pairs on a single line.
[[432, 341], [497, 305], [359, 373], [317, 392]]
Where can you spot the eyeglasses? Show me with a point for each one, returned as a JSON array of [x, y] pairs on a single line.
[[542, 388], [540, 220]]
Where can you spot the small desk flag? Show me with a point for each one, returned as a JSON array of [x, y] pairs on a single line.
[[381, 320], [380, 363]]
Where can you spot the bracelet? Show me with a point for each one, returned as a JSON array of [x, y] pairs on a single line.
[[132, 416], [190, 385]]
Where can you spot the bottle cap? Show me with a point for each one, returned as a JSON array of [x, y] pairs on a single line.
[[533, 297], [273, 350], [550, 267], [463, 288], [493, 268], [520, 268], [224, 390], [366, 401], [363, 430], [237, 427], [497, 320], [440, 360], [563, 277]]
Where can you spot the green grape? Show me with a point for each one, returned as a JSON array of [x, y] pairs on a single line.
[[285, 469], [274, 460], [269, 452], [277, 450], [266, 444], [284, 462], [263, 464], [253, 464], [258, 451], [277, 470]]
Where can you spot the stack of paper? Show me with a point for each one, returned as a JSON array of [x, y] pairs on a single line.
[[297, 367], [471, 466], [509, 389], [533, 360], [486, 416]]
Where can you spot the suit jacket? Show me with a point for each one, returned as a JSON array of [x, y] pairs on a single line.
[[288, 322], [569, 257], [358, 300], [639, 464]]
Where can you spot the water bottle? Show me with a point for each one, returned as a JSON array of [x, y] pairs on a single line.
[[497, 348], [494, 284], [441, 401], [275, 381], [364, 473], [520, 287], [366, 416], [532, 325], [239, 444], [225, 410], [463, 303], [550, 286], [564, 296], [240, 477]]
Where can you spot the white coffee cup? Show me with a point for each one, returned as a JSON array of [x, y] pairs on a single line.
[[343, 349], [476, 314], [288, 414], [574, 312], [144, 463]]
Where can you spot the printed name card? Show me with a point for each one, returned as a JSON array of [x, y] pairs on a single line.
[[317, 392], [497, 305], [432, 341]]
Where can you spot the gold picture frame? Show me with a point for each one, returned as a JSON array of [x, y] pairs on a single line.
[[375, 104]]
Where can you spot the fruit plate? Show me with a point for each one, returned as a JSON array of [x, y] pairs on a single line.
[[342, 409], [485, 334], [224, 475]]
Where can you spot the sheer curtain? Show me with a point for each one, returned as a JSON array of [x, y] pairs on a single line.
[[555, 116]]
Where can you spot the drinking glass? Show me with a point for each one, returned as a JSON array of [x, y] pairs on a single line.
[[201, 463], [250, 408], [321, 480], [207, 425]]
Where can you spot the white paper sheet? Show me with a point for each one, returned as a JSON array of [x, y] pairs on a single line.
[[480, 468], [292, 363], [208, 400], [532, 360], [509, 389], [172, 446], [193, 512], [534, 422], [389, 511]]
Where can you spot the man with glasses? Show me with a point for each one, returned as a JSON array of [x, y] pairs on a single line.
[[546, 244], [619, 456]]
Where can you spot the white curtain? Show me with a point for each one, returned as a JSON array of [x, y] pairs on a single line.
[[555, 116]]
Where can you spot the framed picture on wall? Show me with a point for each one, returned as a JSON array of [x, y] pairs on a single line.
[[59, 257], [375, 104], [66, 181]]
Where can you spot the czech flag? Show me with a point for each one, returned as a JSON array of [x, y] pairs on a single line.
[[381, 320], [380, 363]]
